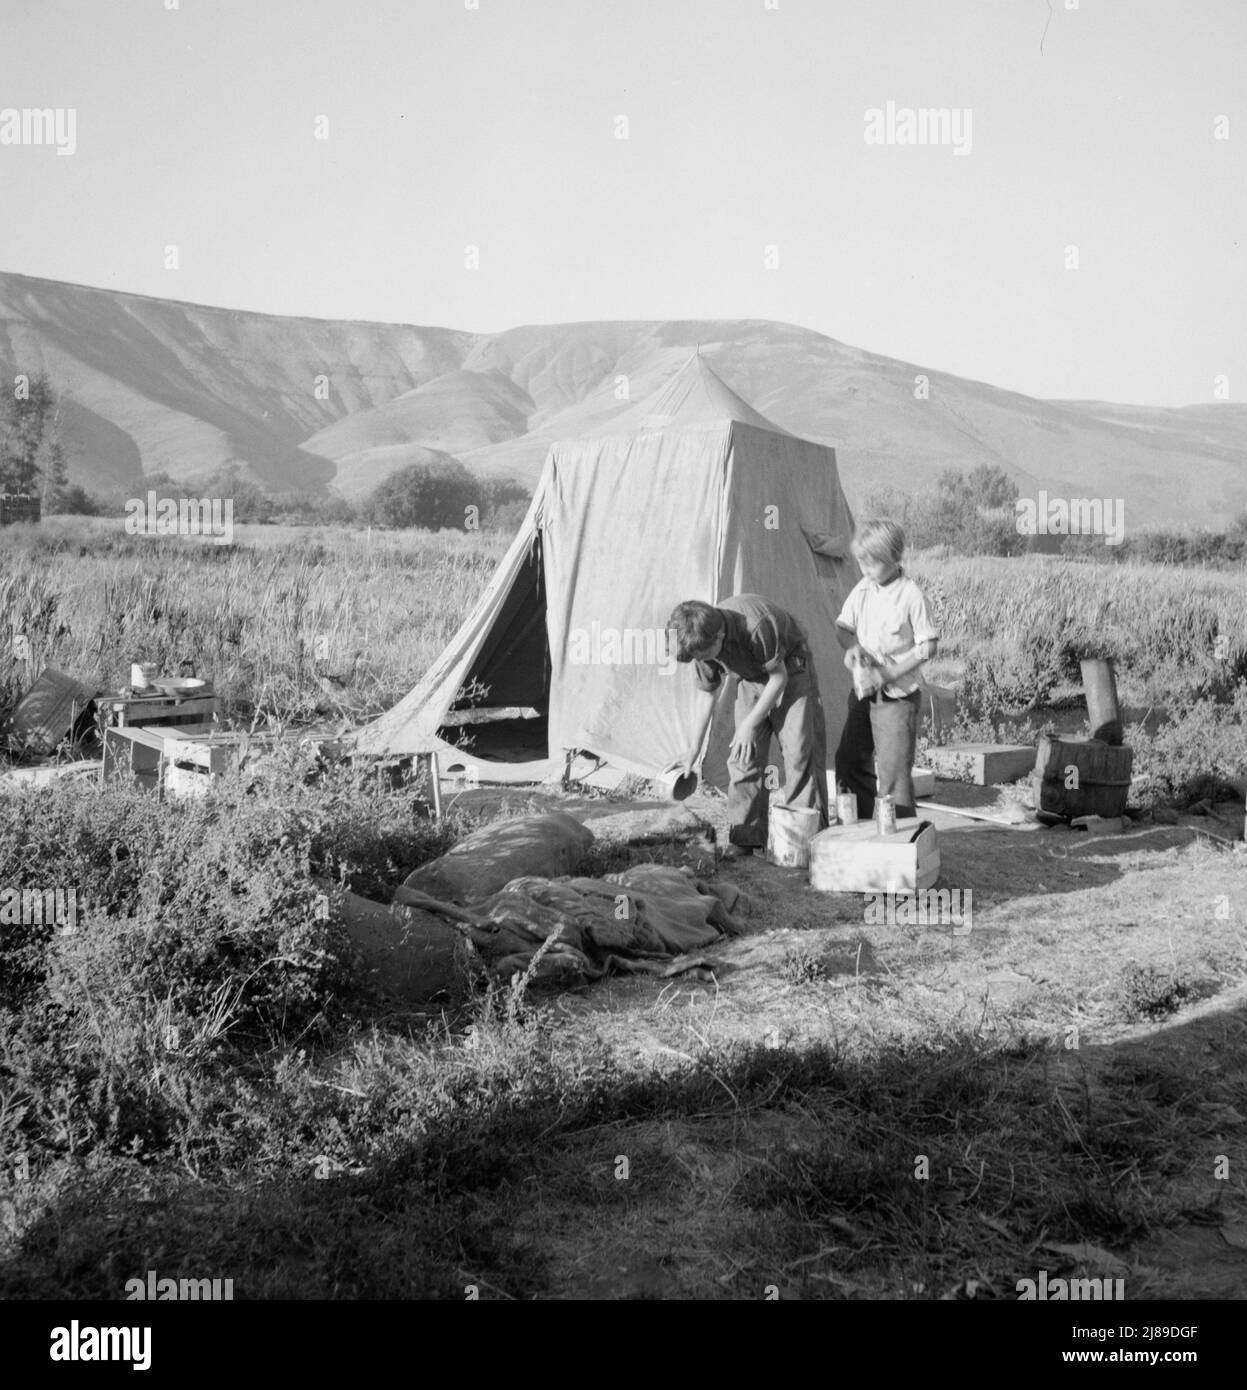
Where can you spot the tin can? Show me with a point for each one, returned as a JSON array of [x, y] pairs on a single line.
[[789, 831], [846, 808], [885, 815], [677, 786]]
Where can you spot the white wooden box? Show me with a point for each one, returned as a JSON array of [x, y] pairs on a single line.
[[986, 763], [173, 760], [193, 760], [857, 859]]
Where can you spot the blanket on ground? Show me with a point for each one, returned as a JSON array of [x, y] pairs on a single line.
[[652, 918]]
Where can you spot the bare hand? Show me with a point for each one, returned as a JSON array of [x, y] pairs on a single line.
[[743, 743], [684, 765], [857, 656], [867, 679]]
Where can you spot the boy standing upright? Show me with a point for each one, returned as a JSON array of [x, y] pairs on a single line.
[[887, 632], [766, 647]]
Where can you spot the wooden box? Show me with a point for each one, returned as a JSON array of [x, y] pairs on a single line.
[[857, 859], [174, 760], [193, 715], [135, 755], [195, 759], [986, 763]]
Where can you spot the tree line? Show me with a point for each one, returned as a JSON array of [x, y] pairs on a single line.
[[965, 513], [974, 513]]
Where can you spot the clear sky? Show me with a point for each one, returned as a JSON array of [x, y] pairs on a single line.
[[497, 127]]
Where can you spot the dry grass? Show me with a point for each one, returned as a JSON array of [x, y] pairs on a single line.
[[643, 1138], [263, 618]]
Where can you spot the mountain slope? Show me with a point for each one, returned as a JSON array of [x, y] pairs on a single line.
[[153, 384]]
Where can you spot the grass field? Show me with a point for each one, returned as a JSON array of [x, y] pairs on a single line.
[[199, 1080]]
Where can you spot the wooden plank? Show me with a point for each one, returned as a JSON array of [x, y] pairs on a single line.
[[968, 812], [43, 775], [455, 718]]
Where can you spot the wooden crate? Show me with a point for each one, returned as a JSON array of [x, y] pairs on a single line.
[[197, 714], [986, 763], [857, 859], [174, 760], [193, 760], [134, 754]]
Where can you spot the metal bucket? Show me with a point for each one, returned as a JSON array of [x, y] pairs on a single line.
[[677, 786], [789, 832]]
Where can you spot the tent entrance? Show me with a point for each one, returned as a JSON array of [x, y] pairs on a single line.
[[502, 710]]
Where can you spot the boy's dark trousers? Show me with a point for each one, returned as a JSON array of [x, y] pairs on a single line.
[[797, 721], [883, 733]]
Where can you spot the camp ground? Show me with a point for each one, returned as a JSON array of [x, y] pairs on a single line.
[[564, 665], [485, 864], [623, 671]]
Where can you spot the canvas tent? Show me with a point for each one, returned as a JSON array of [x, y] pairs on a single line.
[[691, 494]]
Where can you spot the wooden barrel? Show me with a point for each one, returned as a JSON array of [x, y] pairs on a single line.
[[1081, 777], [789, 832]]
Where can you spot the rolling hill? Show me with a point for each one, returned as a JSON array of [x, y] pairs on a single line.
[[330, 405]]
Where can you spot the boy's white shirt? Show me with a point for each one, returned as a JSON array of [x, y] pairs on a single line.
[[890, 620]]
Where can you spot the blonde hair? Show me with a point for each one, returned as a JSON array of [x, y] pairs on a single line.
[[879, 539]]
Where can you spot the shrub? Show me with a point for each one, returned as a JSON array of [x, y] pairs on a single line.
[[1198, 754], [1006, 677], [428, 495], [1147, 993], [73, 501]]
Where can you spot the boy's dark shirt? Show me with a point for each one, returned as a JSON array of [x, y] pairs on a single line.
[[759, 638]]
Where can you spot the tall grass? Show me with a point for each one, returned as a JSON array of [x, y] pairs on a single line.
[[273, 615], [264, 618], [1161, 625]]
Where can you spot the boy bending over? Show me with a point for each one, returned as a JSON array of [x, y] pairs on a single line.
[[767, 648]]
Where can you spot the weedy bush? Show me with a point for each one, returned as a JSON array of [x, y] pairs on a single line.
[[1199, 754], [1147, 993], [1004, 678], [802, 967], [200, 930]]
